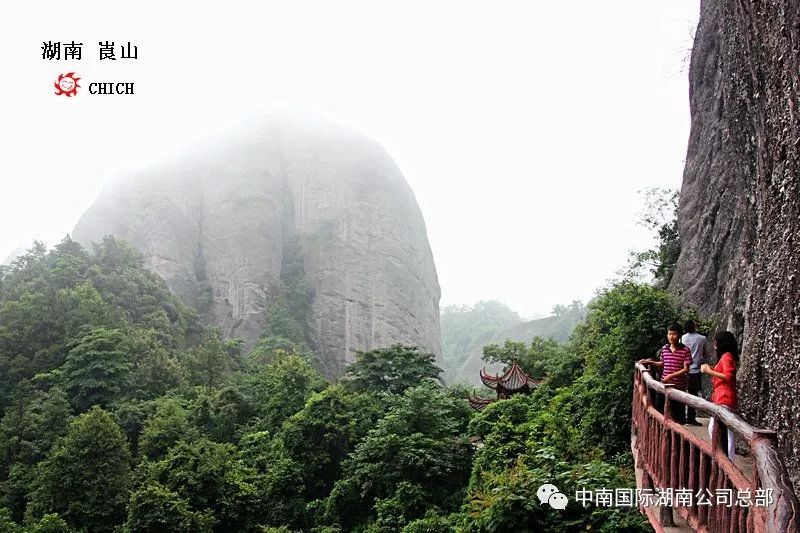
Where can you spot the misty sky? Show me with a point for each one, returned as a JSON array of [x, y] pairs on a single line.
[[524, 128]]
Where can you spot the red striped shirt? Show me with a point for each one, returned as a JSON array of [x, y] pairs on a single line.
[[673, 362]]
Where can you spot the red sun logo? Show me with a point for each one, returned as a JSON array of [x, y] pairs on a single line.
[[67, 84]]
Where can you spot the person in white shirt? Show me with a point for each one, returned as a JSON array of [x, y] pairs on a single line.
[[698, 345]]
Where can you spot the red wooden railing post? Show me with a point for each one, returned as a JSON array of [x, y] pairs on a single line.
[[669, 454], [667, 412], [714, 434]]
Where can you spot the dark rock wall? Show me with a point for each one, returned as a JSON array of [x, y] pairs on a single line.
[[716, 215], [740, 212]]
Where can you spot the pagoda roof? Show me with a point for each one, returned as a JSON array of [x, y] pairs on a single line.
[[513, 379], [478, 403]]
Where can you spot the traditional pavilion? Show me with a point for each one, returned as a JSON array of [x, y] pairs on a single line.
[[513, 381]]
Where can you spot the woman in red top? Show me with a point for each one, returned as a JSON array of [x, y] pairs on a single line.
[[723, 378]]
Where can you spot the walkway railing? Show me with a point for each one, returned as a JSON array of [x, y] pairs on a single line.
[[670, 456]]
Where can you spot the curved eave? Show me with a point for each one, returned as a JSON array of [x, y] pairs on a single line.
[[489, 380], [478, 403]]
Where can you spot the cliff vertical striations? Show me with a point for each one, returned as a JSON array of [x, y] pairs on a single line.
[[223, 225], [739, 216]]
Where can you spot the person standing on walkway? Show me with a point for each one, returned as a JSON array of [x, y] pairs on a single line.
[[674, 364], [723, 377], [699, 347]]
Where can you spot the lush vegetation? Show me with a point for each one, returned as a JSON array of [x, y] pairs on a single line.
[[467, 329], [120, 410], [660, 217], [574, 430]]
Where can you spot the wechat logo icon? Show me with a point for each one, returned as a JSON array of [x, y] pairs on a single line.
[[549, 494]]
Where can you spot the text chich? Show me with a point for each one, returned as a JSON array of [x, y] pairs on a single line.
[[111, 87]]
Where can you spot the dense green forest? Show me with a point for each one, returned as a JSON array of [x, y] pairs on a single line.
[[122, 411]]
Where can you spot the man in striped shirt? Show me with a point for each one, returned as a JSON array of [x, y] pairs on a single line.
[[675, 359]]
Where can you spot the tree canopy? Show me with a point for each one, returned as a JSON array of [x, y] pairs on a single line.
[[121, 410], [391, 370]]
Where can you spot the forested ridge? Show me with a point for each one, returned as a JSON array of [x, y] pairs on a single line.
[[467, 329], [122, 411]]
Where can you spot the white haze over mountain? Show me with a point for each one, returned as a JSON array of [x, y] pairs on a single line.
[[525, 129]]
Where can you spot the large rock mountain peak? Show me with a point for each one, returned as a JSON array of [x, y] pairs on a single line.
[[284, 215]]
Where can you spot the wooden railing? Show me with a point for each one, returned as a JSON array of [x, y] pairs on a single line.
[[669, 456]]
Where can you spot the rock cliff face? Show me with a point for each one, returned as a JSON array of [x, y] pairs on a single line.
[[221, 226], [716, 214], [739, 217]]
